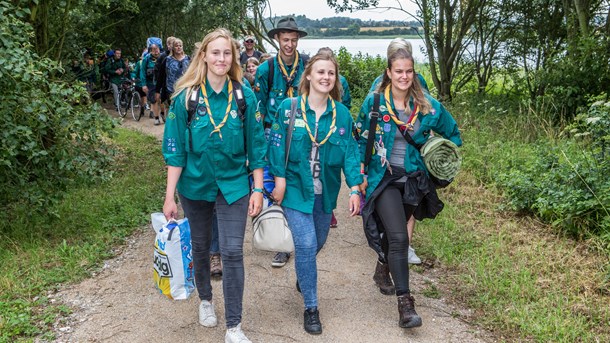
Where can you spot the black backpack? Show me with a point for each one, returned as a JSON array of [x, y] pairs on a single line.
[[193, 103]]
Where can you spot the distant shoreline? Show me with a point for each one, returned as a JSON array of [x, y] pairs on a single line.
[[364, 37]]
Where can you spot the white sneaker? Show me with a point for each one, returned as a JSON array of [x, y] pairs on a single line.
[[207, 316], [157, 121], [413, 259], [235, 335]]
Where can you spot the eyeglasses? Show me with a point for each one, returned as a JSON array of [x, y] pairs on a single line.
[[249, 41]]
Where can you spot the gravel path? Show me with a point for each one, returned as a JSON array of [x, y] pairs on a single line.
[[121, 304]]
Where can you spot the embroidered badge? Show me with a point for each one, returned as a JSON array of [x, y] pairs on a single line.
[[201, 101], [233, 114], [387, 127], [359, 125], [258, 117], [365, 134], [275, 127], [287, 113], [382, 108], [171, 116], [386, 118], [341, 131], [201, 111], [299, 123]]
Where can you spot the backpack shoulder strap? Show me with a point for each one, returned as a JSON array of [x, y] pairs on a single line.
[[372, 128], [193, 102], [293, 106], [239, 98], [271, 63]]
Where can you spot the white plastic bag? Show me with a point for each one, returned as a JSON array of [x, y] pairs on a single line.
[[158, 220], [173, 260]]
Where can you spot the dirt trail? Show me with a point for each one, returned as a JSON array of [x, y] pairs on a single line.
[[121, 304]]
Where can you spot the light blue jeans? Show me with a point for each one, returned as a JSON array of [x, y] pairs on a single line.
[[309, 233]]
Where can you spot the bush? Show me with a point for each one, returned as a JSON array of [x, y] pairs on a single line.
[[51, 136], [360, 72]]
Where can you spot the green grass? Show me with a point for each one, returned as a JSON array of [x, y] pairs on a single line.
[[526, 280], [40, 254]]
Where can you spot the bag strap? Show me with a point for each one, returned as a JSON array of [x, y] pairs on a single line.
[[293, 106], [271, 63], [405, 134], [372, 128]]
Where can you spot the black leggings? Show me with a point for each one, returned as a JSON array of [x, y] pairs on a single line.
[[395, 241]]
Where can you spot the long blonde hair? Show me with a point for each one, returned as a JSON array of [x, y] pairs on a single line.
[[198, 69], [304, 84], [416, 91]]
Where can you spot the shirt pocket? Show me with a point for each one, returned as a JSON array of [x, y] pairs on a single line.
[[297, 148], [198, 136], [236, 137], [335, 153]]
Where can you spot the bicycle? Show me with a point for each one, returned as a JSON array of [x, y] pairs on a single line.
[[130, 99]]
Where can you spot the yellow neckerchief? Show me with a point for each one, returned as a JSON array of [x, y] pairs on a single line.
[[331, 129], [208, 110], [393, 115], [293, 72]]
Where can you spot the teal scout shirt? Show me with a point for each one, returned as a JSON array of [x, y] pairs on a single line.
[[438, 120], [340, 152], [111, 67], [213, 163], [147, 70], [379, 78], [346, 98], [271, 97]]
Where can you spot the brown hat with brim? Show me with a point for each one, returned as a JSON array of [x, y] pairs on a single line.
[[286, 24]]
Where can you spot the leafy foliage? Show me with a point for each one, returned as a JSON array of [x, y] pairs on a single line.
[[360, 71], [51, 136]]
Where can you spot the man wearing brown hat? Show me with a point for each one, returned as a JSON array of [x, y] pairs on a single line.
[[249, 43], [277, 79]]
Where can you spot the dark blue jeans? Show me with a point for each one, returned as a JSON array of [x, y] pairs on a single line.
[[232, 219], [309, 233], [215, 246]]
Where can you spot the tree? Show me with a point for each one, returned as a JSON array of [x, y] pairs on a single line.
[[446, 25]]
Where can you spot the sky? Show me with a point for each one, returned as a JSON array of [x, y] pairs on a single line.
[[318, 9]]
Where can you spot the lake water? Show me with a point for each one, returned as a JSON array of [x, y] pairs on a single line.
[[371, 47]]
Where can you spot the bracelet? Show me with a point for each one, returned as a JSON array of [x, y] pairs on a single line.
[[354, 193], [258, 190]]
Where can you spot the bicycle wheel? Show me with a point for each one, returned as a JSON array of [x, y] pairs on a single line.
[[136, 106], [122, 108]]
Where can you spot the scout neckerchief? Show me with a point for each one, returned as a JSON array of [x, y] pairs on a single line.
[[402, 126], [331, 129], [208, 110], [293, 73]]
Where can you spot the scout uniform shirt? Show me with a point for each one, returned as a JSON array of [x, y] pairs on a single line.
[[438, 120], [214, 160], [271, 96], [340, 151], [111, 67]]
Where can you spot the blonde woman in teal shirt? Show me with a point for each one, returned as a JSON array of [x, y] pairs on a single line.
[[207, 166], [398, 185], [308, 185]]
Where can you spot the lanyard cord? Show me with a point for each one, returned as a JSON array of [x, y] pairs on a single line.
[[331, 129], [209, 111], [289, 78]]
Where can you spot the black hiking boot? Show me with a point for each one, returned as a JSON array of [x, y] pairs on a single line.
[[383, 280], [311, 321], [408, 318]]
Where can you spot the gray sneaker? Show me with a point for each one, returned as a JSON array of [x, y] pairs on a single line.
[[207, 315], [413, 259], [236, 335], [280, 259]]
